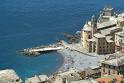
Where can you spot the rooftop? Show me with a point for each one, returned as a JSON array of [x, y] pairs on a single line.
[[71, 75], [119, 18], [107, 79], [120, 33], [118, 61], [122, 15], [87, 26], [68, 72], [109, 30], [106, 24], [92, 40], [108, 39], [98, 35], [84, 81], [37, 79], [108, 8], [114, 55]]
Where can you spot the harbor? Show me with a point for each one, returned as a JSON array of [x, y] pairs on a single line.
[[94, 52], [89, 55]]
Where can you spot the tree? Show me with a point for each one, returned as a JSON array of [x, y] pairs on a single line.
[[122, 81], [123, 74], [113, 81]]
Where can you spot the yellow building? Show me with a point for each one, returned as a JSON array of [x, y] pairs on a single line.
[[119, 41], [120, 20], [101, 44], [99, 37], [113, 66], [86, 34]]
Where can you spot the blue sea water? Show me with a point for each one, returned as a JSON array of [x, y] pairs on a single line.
[[29, 23]]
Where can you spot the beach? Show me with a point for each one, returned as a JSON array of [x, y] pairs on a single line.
[[78, 60]]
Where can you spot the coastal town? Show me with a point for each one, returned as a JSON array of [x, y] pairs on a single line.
[[97, 58]]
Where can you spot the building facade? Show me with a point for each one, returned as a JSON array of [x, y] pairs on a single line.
[[113, 66], [119, 41], [99, 37]]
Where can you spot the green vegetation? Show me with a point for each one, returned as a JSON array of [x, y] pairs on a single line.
[[122, 81], [113, 81]]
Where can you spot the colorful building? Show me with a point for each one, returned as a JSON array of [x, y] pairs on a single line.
[[113, 66], [99, 36]]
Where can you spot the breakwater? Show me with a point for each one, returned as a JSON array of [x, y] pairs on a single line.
[[42, 49]]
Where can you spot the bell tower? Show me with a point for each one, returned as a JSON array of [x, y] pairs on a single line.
[[108, 11], [94, 29], [94, 25]]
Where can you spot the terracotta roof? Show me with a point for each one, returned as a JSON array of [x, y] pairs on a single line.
[[107, 79]]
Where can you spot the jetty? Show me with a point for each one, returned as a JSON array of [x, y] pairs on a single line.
[[42, 49]]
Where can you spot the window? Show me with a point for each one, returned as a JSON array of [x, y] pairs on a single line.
[[72, 75], [109, 66], [103, 50], [103, 65], [119, 67], [110, 50], [99, 43], [113, 72], [103, 43], [109, 72], [64, 80], [89, 37], [118, 73], [113, 67], [103, 70]]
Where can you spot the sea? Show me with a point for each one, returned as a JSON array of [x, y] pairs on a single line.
[[30, 23]]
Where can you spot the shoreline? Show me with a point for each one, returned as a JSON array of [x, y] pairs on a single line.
[[77, 60], [65, 60]]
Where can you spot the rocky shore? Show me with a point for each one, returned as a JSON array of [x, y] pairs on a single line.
[[9, 76]]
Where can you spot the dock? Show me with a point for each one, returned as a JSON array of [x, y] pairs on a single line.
[[42, 49]]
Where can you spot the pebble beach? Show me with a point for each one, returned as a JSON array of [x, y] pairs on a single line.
[[78, 60]]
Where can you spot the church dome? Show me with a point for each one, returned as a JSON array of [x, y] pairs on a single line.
[[87, 27]]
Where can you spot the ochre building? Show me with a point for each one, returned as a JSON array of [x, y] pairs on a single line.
[[98, 35]]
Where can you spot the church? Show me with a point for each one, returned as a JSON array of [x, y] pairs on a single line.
[[98, 35]]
